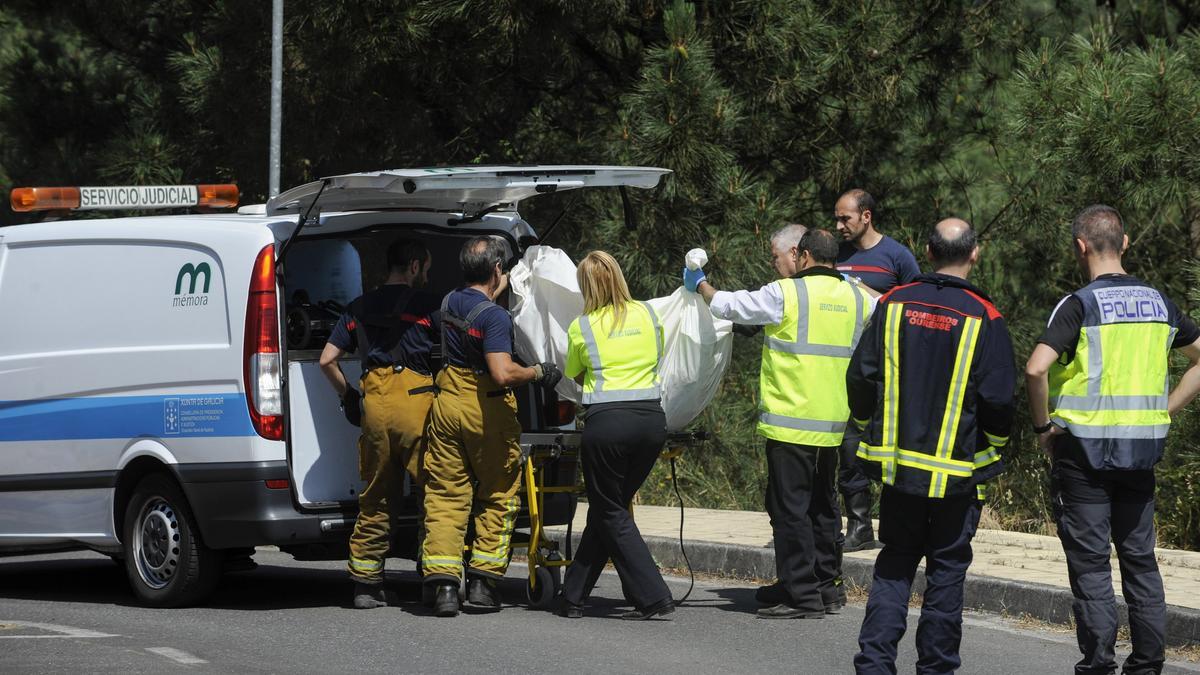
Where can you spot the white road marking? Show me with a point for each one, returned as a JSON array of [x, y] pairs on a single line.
[[176, 655], [59, 631]]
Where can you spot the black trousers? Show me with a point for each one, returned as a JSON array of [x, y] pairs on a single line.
[[621, 442], [1091, 508], [851, 479], [911, 528], [804, 521]]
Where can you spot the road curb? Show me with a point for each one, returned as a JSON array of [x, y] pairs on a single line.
[[989, 594]]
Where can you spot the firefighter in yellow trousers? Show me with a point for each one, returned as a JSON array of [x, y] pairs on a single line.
[[391, 330], [474, 453]]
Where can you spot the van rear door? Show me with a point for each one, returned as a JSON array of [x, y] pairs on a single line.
[[466, 190], [322, 451]]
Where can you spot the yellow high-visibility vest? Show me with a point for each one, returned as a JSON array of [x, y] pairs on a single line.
[[802, 384], [1112, 396], [620, 362]]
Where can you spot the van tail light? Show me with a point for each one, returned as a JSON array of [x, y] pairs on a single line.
[[566, 413], [263, 366]]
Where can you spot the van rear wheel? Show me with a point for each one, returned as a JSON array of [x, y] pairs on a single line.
[[165, 561]]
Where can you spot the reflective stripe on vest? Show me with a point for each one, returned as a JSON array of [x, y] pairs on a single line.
[[964, 355], [804, 362], [939, 462], [801, 345], [915, 459], [1112, 396], [597, 386]]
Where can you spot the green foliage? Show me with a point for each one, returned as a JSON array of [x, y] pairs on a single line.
[[1011, 114]]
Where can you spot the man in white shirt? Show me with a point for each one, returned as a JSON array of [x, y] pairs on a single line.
[[813, 320]]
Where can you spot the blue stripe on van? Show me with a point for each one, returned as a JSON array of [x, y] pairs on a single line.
[[90, 417]]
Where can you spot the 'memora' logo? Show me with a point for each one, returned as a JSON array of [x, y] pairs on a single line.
[[1130, 304], [192, 273]]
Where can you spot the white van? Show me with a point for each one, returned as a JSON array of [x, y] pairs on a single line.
[[160, 398]]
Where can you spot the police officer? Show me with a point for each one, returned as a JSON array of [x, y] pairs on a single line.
[[474, 451], [390, 329], [1099, 403], [614, 350], [880, 263], [932, 384], [813, 320]]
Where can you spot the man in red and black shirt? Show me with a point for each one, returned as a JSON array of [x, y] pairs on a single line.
[[880, 263], [931, 385], [391, 330]]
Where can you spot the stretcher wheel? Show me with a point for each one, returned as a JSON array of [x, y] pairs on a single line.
[[549, 581]]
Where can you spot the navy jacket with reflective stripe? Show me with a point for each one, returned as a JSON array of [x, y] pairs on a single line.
[[934, 308]]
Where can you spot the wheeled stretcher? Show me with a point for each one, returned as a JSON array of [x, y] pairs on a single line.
[[549, 468]]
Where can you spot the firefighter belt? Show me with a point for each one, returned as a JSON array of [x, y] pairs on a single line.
[[473, 460], [395, 412]]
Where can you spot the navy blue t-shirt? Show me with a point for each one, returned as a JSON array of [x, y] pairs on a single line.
[[415, 341], [882, 267], [494, 326]]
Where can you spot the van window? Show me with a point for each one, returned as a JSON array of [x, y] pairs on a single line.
[[95, 296], [322, 270]]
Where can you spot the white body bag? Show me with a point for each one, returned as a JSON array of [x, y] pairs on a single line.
[[697, 345]]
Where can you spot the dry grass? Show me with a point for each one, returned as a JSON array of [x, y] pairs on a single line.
[[988, 520], [1190, 653]]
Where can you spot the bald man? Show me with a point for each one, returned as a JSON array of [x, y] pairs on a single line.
[[940, 346]]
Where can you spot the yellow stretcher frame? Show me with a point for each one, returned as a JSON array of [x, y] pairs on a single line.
[[543, 558], [545, 562]]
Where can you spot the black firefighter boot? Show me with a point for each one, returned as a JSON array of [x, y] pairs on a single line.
[[368, 596], [860, 535], [445, 601], [483, 593]]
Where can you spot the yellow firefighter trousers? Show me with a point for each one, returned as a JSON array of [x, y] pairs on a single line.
[[392, 441], [473, 438]]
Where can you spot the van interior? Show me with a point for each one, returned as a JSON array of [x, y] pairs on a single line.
[[322, 274]]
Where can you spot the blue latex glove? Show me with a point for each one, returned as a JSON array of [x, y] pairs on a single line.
[[692, 278]]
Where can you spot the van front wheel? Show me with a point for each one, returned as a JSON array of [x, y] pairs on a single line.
[[167, 564]]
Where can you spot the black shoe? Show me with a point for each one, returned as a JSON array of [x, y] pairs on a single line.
[[569, 610], [771, 595], [834, 597], [483, 594], [445, 602], [368, 596], [428, 595], [782, 611], [860, 535], [662, 610]]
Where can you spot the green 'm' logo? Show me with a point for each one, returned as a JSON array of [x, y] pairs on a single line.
[[193, 272]]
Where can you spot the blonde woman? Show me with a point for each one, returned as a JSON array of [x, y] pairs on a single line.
[[613, 350]]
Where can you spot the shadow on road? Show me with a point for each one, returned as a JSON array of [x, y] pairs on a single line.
[[739, 600], [277, 587], [98, 581], [270, 587]]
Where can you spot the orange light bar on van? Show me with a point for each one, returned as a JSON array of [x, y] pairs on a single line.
[[124, 197], [218, 196], [44, 198]]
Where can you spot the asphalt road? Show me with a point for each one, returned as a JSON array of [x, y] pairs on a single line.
[[74, 613]]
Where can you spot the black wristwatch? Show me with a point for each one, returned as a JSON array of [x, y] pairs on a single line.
[[1043, 429]]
